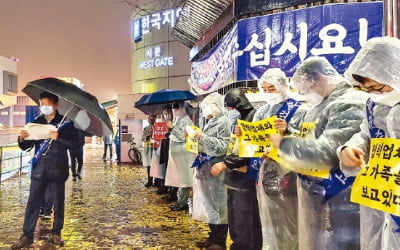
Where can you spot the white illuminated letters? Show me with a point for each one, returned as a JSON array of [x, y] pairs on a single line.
[[156, 59]]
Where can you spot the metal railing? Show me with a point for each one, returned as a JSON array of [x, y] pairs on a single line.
[[12, 160]]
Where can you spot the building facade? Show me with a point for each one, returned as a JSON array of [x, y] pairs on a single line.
[[159, 61]]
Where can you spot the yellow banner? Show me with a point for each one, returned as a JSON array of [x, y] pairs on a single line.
[[256, 137], [307, 128], [306, 168], [310, 169], [231, 144], [192, 144], [378, 184]]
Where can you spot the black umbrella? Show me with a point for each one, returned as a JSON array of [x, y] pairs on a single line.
[[74, 103], [155, 102]]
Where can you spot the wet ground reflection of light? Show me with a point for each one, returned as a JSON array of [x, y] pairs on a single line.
[[108, 209]]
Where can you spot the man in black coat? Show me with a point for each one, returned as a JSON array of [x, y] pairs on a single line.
[[49, 169], [243, 216]]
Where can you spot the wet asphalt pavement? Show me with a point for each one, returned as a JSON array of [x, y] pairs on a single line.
[[108, 209]]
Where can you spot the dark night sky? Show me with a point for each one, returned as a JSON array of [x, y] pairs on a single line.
[[87, 39]]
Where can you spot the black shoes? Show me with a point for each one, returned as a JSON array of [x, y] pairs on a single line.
[[76, 176], [23, 242], [204, 244], [216, 247], [180, 208], [148, 184], [162, 190], [57, 240]]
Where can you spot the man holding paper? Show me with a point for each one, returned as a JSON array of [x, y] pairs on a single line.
[[49, 168]]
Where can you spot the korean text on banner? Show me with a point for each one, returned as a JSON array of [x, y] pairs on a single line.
[[283, 40], [256, 137], [232, 145], [159, 131], [192, 144], [378, 184]]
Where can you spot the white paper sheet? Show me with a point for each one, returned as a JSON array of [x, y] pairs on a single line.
[[39, 131]]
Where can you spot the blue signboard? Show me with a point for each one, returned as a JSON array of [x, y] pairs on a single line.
[[284, 40], [137, 30]]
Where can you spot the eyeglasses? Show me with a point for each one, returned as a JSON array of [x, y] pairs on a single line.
[[376, 88]]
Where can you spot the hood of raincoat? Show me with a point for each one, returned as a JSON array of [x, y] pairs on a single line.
[[309, 73], [276, 77], [212, 104], [378, 60], [237, 99]]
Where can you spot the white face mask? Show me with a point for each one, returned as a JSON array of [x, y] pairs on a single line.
[[46, 110], [313, 98], [387, 98], [175, 113], [273, 98], [233, 115], [158, 120]]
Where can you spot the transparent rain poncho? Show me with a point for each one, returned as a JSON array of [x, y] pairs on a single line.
[[276, 77], [209, 192], [324, 223], [276, 188], [179, 170], [378, 60]]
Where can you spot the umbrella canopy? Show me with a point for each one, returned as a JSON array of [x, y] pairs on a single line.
[[155, 102], [76, 104]]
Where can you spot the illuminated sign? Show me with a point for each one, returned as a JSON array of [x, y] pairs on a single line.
[[156, 20], [137, 31], [156, 59]]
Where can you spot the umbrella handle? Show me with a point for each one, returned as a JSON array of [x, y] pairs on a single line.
[[65, 116]]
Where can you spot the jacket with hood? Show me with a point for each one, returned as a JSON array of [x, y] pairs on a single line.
[[233, 178]]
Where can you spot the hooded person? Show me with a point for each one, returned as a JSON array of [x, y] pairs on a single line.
[[179, 172], [209, 192], [276, 189], [377, 69], [327, 218], [243, 216]]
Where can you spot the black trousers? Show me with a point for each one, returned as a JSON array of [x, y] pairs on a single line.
[[244, 220], [35, 201], [105, 150], [76, 161], [218, 233], [47, 202]]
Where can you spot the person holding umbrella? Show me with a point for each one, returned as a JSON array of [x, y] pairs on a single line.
[[49, 168]]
